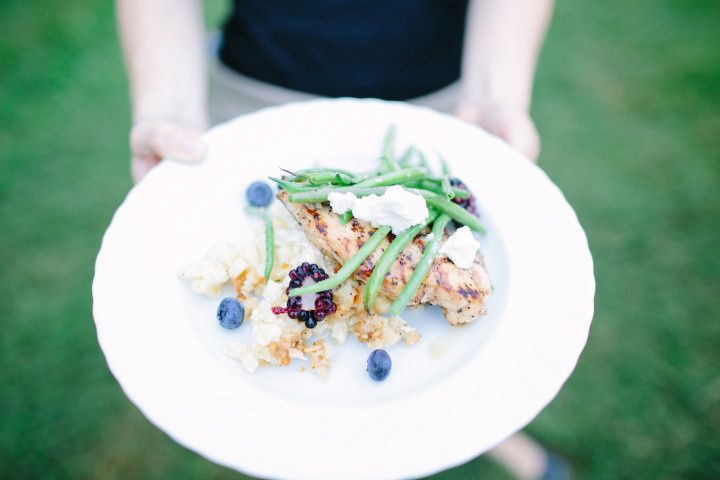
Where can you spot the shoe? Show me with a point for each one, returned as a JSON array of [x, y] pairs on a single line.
[[556, 468]]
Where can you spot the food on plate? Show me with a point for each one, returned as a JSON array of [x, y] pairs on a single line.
[[312, 307], [259, 194], [460, 248], [379, 365], [230, 313], [345, 253]]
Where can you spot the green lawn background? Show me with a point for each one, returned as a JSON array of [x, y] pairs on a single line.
[[628, 104]]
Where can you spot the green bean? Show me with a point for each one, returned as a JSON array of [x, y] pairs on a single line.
[[455, 211], [436, 181], [393, 178], [388, 156], [269, 245], [292, 187], [361, 177], [424, 162], [350, 266], [330, 175], [406, 157], [319, 195], [433, 199], [346, 217], [435, 185], [330, 178], [388, 164], [304, 171], [345, 181], [269, 237], [422, 268], [447, 188], [444, 167], [374, 283]]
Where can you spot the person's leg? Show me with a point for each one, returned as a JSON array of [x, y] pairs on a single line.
[[528, 460]]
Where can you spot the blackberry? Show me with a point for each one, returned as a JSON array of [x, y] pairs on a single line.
[[323, 303], [468, 203]]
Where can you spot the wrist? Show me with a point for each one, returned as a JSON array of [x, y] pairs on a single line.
[[476, 109], [192, 122], [509, 87], [155, 108]]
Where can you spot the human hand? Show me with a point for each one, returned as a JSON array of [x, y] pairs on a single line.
[[151, 141], [512, 125]]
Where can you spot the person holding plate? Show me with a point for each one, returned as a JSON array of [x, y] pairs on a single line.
[[473, 58]]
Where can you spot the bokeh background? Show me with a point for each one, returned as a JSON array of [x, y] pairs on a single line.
[[628, 104]]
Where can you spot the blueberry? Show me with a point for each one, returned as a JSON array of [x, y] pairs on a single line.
[[379, 365], [259, 194], [230, 313]]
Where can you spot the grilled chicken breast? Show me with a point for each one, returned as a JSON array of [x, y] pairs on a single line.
[[462, 294]]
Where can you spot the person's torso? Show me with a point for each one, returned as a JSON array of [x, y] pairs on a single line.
[[392, 49]]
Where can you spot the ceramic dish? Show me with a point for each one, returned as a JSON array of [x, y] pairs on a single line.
[[456, 394]]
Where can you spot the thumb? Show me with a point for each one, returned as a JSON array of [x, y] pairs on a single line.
[[166, 140], [522, 135]]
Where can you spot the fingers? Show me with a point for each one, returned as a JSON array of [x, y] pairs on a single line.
[[469, 113], [522, 135], [165, 140], [516, 128], [151, 142], [140, 166]]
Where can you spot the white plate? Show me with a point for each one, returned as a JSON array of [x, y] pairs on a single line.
[[456, 394]]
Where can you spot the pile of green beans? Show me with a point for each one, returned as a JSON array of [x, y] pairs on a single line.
[[413, 172], [438, 201]]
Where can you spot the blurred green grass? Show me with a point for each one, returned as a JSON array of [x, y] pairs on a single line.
[[628, 104]]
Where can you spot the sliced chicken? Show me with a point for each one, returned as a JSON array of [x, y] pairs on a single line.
[[462, 294]]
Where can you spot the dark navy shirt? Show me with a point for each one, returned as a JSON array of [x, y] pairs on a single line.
[[390, 49]]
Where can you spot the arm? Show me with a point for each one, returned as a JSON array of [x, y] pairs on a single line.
[[163, 44], [502, 42]]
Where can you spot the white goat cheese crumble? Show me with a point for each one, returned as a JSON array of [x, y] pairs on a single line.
[[461, 247], [397, 208], [341, 202]]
